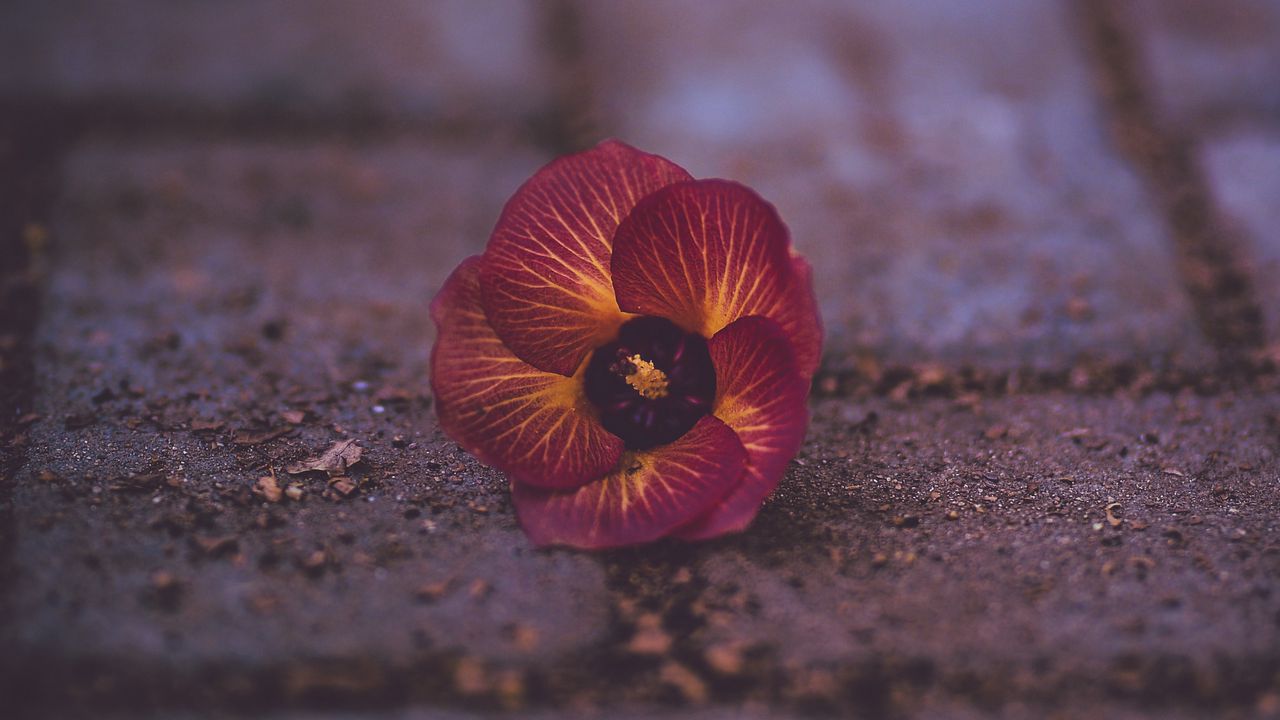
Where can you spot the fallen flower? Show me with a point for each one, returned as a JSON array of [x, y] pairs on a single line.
[[634, 349]]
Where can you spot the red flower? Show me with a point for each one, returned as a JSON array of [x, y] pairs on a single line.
[[633, 349]]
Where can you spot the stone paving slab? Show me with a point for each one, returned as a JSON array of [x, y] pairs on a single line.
[[318, 247], [446, 59], [947, 167], [217, 309], [1107, 549], [1243, 168], [746, 712], [1214, 75], [964, 556], [952, 175], [1211, 65]]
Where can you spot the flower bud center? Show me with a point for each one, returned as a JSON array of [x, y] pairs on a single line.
[[653, 383], [646, 379]]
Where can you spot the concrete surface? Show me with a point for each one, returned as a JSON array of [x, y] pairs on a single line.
[[1041, 478]]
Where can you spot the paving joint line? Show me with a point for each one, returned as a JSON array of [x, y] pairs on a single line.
[[31, 147], [572, 121], [1258, 371], [130, 117], [1210, 262]]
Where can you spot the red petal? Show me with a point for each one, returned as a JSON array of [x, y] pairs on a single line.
[[707, 252], [536, 426], [649, 493], [762, 396], [806, 338], [546, 281]]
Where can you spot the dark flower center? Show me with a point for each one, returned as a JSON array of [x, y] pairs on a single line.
[[653, 383]]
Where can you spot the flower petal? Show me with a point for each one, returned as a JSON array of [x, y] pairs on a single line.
[[537, 427], [546, 283], [762, 396], [649, 493], [707, 252], [806, 337]]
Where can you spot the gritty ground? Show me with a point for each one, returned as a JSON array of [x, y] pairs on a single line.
[[1041, 475]]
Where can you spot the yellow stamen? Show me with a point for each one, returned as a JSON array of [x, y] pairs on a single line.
[[646, 379]]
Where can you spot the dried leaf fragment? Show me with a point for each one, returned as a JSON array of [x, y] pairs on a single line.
[[1112, 519], [257, 437], [202, 425], [685, 681], [470, 677], [217, 546], [140, 482], [650, 638], [725, 658], [430, 592], [334, 461], [343, 485], [268, 488]]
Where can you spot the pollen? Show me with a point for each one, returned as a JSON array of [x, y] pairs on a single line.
[[646, 379]]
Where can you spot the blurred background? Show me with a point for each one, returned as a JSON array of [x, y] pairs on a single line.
[[223, 221], [955, 170]]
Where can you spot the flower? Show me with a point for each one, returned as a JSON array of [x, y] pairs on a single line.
[[633, 349]]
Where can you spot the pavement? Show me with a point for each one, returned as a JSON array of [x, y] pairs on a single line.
[[1041, 476]]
